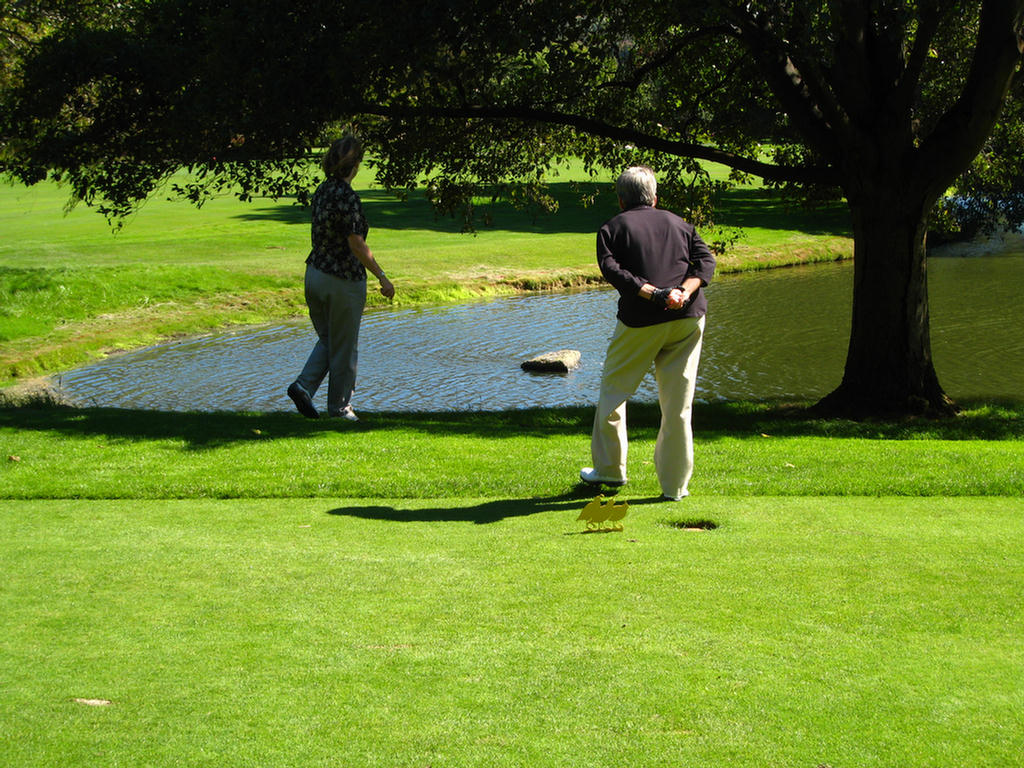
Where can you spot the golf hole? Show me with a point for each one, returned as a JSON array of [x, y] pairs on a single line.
[[692, 525]]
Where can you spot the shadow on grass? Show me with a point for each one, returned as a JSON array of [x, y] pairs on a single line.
[[764, 209], [737, 207], [492, 511], [212, 430], [386, 211], [480, 514], [202, 431]]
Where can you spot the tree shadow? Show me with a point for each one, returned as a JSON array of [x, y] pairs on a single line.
[[736, 207], [386, 211], [745, 207], [979, 420], [712, 421], [206, 431]]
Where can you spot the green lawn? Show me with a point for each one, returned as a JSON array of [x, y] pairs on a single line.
[[251, 589], [417, 590], [329, 632], [742, 450]]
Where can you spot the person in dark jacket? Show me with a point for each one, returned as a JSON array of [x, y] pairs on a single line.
[[659, 265]]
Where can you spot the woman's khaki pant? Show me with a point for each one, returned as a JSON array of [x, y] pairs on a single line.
[[674, 348]]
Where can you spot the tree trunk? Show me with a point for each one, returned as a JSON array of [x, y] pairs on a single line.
[[889, 370]]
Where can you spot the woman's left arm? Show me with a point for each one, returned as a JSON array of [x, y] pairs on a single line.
[[362, 251]]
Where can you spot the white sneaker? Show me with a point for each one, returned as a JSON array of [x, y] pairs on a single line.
[[590, 475], [346, 413]]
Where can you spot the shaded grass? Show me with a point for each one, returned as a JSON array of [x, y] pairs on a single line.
[[294, 632], [744, 449]]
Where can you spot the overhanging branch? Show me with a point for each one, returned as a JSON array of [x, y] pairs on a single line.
[[961, 131], [766, 171]]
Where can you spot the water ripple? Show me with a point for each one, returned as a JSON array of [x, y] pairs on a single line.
[[773, 334]]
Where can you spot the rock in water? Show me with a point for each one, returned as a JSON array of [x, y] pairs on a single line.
[[562, 361]]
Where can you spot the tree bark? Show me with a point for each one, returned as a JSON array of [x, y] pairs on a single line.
[[889, 369]]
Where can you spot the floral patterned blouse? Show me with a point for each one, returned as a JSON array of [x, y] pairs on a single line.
[[337, 213]]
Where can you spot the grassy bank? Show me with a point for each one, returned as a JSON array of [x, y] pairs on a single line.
[[71, 290]]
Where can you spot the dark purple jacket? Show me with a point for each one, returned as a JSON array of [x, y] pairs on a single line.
[[650, 245]]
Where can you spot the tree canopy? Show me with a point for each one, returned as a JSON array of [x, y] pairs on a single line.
[[888, 103]]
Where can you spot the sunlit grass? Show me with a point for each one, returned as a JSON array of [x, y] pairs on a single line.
[[416, 590], [463, 632]]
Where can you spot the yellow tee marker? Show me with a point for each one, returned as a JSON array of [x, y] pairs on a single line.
[[597, 512]]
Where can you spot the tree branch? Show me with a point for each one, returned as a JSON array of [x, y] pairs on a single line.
[[664, 58], [766, 171], [961, 132], [927, 27], [803, 100]]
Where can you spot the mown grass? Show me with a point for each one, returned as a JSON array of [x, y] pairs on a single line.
[[255, 589], [847, 632], [416, 590], [742, 450]]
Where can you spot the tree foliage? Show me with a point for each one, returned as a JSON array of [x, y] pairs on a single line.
[[23, 23], [466, 93], [888, 103]]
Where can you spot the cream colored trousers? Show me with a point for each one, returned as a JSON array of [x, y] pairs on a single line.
[[674, 348]]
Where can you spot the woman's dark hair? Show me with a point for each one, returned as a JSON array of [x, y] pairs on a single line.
[[344, 155]]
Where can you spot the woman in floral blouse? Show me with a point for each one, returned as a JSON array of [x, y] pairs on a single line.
[[336, 284]]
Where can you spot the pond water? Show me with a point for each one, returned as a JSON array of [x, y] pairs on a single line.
[[775, 334]]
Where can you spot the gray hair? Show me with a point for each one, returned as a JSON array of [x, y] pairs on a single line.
[[637, 186]]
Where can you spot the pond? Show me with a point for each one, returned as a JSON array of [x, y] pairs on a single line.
[[774, 334]]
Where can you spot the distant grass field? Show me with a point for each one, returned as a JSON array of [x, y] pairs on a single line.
[[71, 289]]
